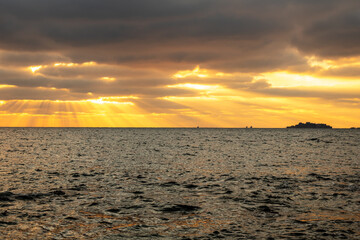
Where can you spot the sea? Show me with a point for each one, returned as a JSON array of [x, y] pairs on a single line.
[[152, 183]]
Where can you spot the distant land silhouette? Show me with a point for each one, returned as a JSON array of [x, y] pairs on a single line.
[[310, 125]]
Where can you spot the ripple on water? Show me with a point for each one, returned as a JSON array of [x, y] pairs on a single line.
[[179, 183]]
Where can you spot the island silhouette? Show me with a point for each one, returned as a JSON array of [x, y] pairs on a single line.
[[310, 125]]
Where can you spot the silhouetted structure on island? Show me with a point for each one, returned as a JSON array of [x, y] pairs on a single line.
[[310, 125]]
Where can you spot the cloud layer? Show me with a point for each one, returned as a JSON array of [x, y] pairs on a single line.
[[87, 49]]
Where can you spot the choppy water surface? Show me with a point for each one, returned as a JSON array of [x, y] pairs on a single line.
[[179, 183]]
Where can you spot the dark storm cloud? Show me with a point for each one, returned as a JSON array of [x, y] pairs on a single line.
[[336, 36], [249, 36], [169, 30], [24, 59], [61, 25], [105, 9]]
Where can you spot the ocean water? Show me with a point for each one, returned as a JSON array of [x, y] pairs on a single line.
[[80, 183]]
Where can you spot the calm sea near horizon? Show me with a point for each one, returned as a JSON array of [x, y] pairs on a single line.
[[129, 183]]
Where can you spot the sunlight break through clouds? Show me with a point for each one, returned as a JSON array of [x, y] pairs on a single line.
[[192, 73], [154, 63]]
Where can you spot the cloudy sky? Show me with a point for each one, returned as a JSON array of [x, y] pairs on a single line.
[[171, 63]]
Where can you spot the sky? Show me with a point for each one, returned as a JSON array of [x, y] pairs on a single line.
[[171, 63]]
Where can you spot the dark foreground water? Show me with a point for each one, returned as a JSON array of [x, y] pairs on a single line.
[[179, 184]]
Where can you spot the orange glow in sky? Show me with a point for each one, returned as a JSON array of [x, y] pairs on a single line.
[[213, 102], [224, 64], [210, 105]]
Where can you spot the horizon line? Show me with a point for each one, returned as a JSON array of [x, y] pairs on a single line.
[[182, 127]]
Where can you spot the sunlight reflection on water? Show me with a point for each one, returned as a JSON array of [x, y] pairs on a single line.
[[174, 183]]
